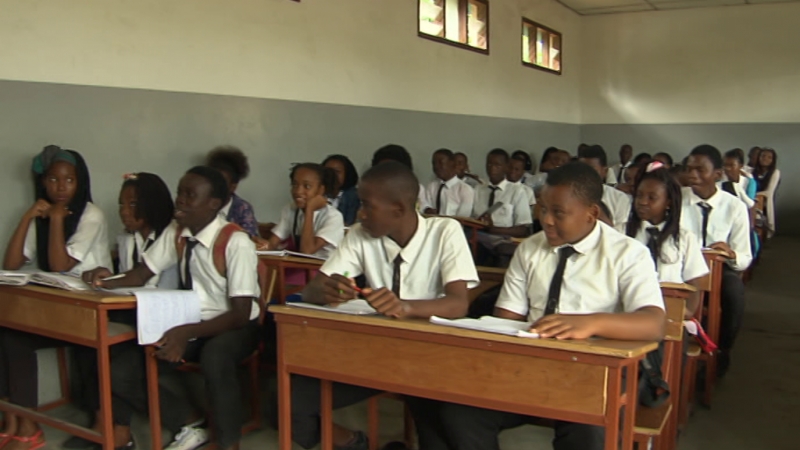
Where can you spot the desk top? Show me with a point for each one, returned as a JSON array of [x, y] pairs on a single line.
[[601, 347], [87, 296], [467, 221], [292, 259]]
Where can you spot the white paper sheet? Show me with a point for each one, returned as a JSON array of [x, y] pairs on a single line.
[[357, 307], [489, 324], [158, 311]]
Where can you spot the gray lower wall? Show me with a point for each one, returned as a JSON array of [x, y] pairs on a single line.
[[128, 130], [678, 141]]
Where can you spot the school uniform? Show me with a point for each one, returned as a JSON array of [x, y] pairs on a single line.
[[608, 272], [619, 203], [451, 198], [770, 190], [528, 191], [240, 212], [472, 182], [679, 261], [516, 203], [537, 181], [436, 255], [328, 225], [738, 192], [88, 245], [219, 356], [618, 170], [726, 220], [611, 178], [131, 248]]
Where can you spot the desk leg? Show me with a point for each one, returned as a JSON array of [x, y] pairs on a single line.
[[613, 408], [281, 285], [104, 377], [326, 419], [631, 401], [153, 397], [284, 400], [474, 243]]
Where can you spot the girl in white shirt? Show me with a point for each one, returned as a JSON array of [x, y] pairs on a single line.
[[321, 235], [768, 177], [655, 221]]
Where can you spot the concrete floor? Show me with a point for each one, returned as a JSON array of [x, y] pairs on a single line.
[[757, 406]]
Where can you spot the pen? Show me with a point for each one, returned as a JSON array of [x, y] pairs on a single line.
[[346, 274]]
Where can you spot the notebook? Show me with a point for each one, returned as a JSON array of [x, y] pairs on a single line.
[[489, 324], [358, 307], [282, 253], [55, 280], [158, 311]]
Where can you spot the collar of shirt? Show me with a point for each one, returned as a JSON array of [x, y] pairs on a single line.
[[586, 244], [451, 182], [413, 246], [207, 235], [713, 200], [137, 236], [645, 225], [501, 185], [227, 208]]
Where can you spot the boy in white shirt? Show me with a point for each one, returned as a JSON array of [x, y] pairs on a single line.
[[414, 267], [617, 201], [618, 169], [576, 279], [448, 195], [462, 170], [517, 175], [720, 220], [228, 332]]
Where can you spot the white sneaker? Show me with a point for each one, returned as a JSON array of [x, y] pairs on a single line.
[[189, 438]]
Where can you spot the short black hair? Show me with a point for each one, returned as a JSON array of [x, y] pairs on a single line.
[[499, 152], [547, 153], [327, 177], [231, 160], [392, 152], [736, 154], [153, 200], [594, 152], [584, 181], [461, 154], [625, 146], [710, 152], [667, 156], [643, 158], [402, 184], [219, 187], [447, 152], [523, 156], [350, 172]]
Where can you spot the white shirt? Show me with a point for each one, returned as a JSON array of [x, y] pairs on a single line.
[[88, 245], [456, 199], [214, 290], [679, 262], [728, 222], [328, 225], [528, 190], [536, 181], [226, 209], [472, 182], [611, 178], [437, 254], [740, 192], [619, 203], [515, 210], [126, 242], [618, 170], [611, 273]]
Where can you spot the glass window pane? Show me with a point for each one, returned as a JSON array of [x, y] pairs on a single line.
[[431, 17], [476, 23]]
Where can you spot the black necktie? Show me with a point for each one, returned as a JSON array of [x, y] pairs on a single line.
[[491, 196], [186, 284], [396, 276], [706, 212], [135, 258], [554, 293], [652, 240], [439, 199], [294, 230]]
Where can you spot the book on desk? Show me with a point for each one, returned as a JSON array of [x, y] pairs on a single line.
[[49, 279]]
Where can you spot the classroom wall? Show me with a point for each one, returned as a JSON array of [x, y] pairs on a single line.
[[670, 80]]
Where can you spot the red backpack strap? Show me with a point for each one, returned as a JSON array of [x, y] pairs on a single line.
[[221, 244]]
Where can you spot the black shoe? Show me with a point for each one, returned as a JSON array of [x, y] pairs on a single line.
[[396, 445], [359, 442], [76, 443]]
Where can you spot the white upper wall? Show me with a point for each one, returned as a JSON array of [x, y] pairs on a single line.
[[717, 65], [352, 52]]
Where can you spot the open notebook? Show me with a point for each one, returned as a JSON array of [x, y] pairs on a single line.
[[356, 307], [56, 280], [489, 324], [158, 311]]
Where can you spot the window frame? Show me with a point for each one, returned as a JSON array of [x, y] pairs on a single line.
[[531, 23], [464, 23]]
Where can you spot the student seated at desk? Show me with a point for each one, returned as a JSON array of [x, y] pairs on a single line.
[[742, 184], [768, 177], [576, 279], [720, 221], [527, 165], [414, 267], [344, 196], [62, 232], [618, 169], [232, 162], [462, 170], [227, 334], [618, 201], [398, 153], [551, 159], [517, 175], [514, 217], [319, 236], [447, 195], [656, 222]]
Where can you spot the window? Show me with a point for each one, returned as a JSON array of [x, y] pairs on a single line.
[[541, 47], [463, 23]]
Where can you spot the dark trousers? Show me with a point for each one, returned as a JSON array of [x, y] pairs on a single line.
[[19, 366], [732, 307], [219, 357], [470, 428]]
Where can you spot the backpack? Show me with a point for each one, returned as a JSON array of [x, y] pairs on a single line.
[[218, 249], [653, 390]]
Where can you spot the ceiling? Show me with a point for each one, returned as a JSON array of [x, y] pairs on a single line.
[[591, 7]]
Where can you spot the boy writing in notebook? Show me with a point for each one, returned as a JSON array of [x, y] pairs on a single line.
[[228, 332], [414, 267], [576, 279], [721, 222], [447, 195]]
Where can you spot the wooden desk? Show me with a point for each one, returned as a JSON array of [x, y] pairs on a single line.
[[579, 381], [76, 317], [712, 285], [279, 264]]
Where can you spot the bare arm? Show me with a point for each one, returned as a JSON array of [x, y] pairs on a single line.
[[60, 261], [645, 324], [15, 255], [138, 276]]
